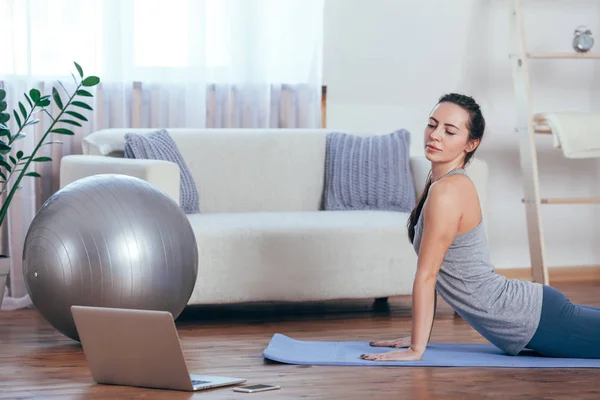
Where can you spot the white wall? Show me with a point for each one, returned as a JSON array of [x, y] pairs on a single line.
[[386, 62]]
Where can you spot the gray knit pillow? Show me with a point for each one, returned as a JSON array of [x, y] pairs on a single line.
[[368, 173], [159, 145]]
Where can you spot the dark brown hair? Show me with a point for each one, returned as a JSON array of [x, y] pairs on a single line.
[[476, 127]]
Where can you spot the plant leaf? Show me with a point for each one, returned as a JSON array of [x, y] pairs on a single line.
[[64, 88], [32, 122], [4, 118], [12, 160], [17, 118], [91, 81], [3, 176], [62, 131], [76, 115], [68, 121], [23, 111], [19, 154], [20, 136], [3, 106], [44, 103], [35, 95], [34, 174], [2, 94], [82, 105], [83, 92], [78, 69], [41, 159], [56, 97], [4, 148], [6, 165], [28, 100], [54, 141], [4, 132]]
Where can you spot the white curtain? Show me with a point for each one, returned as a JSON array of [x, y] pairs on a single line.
[[175, 63]]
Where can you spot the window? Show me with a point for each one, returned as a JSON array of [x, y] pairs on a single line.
[[108, 38], [170, 36]]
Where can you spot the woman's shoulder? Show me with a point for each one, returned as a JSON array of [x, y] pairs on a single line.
[[453, 185], [452, 190], [443, 194]]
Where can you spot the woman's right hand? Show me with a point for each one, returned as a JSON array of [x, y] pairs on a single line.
[[396, 343]]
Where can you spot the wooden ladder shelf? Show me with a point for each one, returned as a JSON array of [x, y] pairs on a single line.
[[528, 125]]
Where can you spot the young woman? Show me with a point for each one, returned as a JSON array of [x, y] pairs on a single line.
[[447, 232]]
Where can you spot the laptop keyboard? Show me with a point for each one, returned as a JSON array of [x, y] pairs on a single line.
[[196, 382]]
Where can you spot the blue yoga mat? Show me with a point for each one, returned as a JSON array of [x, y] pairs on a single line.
[[287, 350]]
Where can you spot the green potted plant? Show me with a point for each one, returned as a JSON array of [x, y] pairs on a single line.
[[15, 166]]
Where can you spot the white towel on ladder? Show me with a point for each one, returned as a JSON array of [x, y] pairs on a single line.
[[576, 133]]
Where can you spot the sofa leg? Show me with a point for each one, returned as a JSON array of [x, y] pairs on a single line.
[[381, 304]]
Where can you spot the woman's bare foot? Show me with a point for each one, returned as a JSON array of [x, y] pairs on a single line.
[[397, 343]]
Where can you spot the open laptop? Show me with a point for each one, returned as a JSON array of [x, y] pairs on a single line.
[[137, 348]]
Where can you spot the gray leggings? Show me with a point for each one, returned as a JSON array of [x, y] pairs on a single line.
[[566, 329]]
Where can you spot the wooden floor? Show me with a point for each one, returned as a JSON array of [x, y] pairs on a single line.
[[38, 362]]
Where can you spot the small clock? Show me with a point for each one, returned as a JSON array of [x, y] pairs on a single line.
[[583, 39]]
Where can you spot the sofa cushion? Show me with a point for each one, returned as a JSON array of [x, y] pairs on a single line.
[[298, 256], [159, 145], [368, 173]]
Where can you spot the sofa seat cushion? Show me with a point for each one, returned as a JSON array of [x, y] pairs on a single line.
[[306, 255]]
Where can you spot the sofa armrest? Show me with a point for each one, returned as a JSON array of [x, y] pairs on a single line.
[[165, 175], [419, 168]]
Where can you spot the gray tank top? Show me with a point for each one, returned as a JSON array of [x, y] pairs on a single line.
[[505, 312]]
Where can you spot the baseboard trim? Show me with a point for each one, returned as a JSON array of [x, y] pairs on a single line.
[[576, 273]]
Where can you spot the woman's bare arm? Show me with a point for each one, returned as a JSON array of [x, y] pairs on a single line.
[[442, 214], [441, 217]]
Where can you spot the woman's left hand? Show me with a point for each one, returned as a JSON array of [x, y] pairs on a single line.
[[397, 355]]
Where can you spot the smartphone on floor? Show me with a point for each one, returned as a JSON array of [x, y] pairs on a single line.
[[255, 388]]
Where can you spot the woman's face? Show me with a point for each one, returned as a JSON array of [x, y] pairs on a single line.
[[446, 134]]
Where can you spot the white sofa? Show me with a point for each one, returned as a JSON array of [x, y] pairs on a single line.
[[261, 233]]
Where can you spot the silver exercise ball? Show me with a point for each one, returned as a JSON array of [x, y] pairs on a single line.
[[109, 241]]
